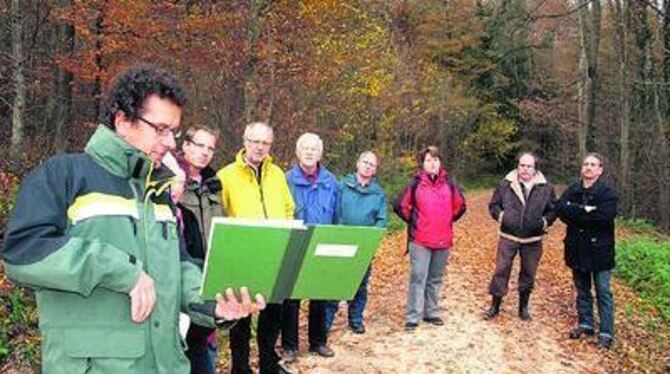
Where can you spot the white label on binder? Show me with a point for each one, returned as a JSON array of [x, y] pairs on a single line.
[[336, 250]]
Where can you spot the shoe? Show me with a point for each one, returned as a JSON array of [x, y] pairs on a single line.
[[289, 355], [436, 321], [605, 342], [494, 310], [357, 328], [411, 326], [322, 351], [523, 306], [284, 370], [577, 332]]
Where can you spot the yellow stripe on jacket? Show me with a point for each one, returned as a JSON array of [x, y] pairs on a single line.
[[97, 204]]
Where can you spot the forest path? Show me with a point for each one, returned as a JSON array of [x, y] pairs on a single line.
[[466, 343]]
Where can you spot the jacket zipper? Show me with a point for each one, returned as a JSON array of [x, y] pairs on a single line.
[[265, 212], [143, 236], [260, 189]]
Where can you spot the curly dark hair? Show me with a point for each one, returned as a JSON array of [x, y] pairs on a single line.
[[131, 87]]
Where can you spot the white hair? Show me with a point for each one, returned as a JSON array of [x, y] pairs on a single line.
[[309, 138], [253, 125]]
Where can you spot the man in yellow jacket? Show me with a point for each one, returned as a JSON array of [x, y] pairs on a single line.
[[254, 187]]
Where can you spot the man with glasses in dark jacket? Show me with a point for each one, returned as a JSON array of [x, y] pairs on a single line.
[[588, 208]]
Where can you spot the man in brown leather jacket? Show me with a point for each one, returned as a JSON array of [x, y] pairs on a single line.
[[523, 204]]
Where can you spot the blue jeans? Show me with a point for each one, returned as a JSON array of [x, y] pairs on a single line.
[[601, 279], [356, 306]]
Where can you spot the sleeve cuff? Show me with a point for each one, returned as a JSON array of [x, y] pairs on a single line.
[[125, 281]]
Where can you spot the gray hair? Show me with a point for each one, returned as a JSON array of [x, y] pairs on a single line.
[[309, 137], [253, 125], [368, 152]]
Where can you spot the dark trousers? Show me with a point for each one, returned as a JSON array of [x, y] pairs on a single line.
[[316, 329], [530, 259], [201, 352], [269, 324], [584, 302]]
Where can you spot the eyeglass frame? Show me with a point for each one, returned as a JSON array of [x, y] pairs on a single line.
[[200, 145], [160, 130], [264, 143]]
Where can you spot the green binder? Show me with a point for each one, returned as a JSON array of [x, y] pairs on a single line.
[[335, 261], [285, 259]]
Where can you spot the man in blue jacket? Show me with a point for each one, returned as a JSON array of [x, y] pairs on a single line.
[[314, 191], [362, 203]]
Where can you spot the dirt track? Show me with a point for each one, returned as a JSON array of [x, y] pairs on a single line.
[[466, 343]]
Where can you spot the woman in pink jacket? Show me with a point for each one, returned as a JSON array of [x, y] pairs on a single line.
[[430, 204]]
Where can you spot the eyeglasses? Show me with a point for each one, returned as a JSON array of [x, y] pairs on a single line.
[[264, 143], [527, 166], [201, 146], [369, 164], [162, 129]]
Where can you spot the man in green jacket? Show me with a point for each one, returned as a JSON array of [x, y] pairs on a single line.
[[95, 235], [362, 203]]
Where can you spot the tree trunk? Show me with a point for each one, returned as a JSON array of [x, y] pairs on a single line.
[[98, 30], [622, 17], [590, 21], [251, 85], [272, 66], [582, 102], [63, 118], [666, 57], [403, 36], [19, 103], [662, 126], [661, 165]]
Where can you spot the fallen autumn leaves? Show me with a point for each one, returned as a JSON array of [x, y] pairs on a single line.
[[467, 343]]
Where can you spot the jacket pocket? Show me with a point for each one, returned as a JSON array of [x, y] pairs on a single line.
[[571, 241], [99, 343], [181, 346], [327, 213], [535, 227], [510, 221], [602, 253]]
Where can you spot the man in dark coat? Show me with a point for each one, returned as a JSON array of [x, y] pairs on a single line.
[[523, 204], [588, 209]]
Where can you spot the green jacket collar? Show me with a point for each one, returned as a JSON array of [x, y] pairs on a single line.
[[116, 155], [352, 182]]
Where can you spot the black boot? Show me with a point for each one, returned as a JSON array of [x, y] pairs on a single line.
[[494, 309], [523, 306]]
